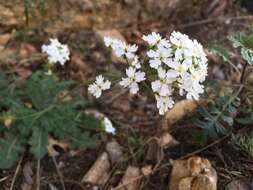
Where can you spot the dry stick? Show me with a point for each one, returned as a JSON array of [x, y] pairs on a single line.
[[38, 175], [16, 172], [59, 172]]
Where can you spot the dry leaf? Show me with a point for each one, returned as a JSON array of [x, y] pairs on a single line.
[[180, 109], [194, 173], [146, 170], [130, 180], [4, 38], [99, 172], [52, 142], [166, 141], [115, 151]]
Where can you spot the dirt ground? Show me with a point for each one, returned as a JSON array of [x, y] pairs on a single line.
[[79, 23]]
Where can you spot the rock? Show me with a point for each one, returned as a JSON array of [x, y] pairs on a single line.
[[166, 141], [115, 151], [194, 173], [130, 180], [99, 172]]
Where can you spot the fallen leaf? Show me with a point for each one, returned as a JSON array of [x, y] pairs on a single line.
[[115, 151], [180, 109], [4, 38], [129, 181], [99, 172], [166, 141], [52, 142], [194, 173]]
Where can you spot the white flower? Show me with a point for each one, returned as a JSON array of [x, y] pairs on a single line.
[[108, 126], [191, 85], [163, 103], [152, 39], [98, 86], [109, 42], [177, 68], [133, 78], [56, 52], [135, 63], [159, 56], [120, 48], [163, 85]]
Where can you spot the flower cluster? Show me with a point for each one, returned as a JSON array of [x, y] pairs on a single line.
[[56, 52], [180, 65], [98, 86]]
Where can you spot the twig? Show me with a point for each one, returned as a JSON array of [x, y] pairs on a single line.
[[4, 178], [38, 175], [59, 172], [16, 173]]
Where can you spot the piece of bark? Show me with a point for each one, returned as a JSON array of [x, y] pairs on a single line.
[[194, 173], [166, 141], [115, 151], [99, 172], [131, 180]]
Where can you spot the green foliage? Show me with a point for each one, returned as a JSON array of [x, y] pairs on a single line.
[[42, 107], [246, 117], [219, 50], [245, 43], [245, 142], [30, 5], [218, 117]]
